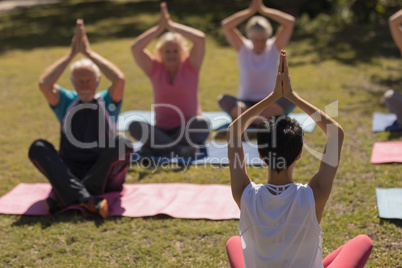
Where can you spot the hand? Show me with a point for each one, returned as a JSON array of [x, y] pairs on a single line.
[[260, 5], [83, 43], [74, 43], [278, 90], [287, 86], [254, 6], [165, 21]]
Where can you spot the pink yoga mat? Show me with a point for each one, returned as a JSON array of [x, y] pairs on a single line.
[[178, 200], [387, 152]]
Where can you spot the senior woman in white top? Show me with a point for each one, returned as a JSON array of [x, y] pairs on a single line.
[[258, 56]]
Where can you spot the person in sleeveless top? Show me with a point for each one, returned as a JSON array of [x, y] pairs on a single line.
[[92, 159], [280, 221], [173, 70], [258, 56], [393, 98]]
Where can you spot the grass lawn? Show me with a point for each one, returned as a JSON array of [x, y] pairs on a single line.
[[354, 65]]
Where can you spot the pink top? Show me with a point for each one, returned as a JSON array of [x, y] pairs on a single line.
[[176, 103]]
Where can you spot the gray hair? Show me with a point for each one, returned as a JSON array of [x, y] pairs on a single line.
[[258, 24], [84, 63]]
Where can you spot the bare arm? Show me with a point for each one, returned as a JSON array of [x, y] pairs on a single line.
[[111, 71], [229, 25], [143, 57], [238, 172], [395, 23], [197, 37], [48, 79], [321, 182], [283, 34]]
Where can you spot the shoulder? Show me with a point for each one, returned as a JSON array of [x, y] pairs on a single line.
[[111, 107], [246, 46], [68, 94], [251, 191], [66, 98], [271, 46], [186, 65], [305, 192]]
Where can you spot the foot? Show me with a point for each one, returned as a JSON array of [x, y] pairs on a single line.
[[98, 206], [394, 126], [52, 205], [147, 151], [186, 151]]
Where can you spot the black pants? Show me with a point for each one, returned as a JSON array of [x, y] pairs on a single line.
[[194, 133], [107, 174]]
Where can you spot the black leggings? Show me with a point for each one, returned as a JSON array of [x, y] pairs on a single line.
[[107, 174], [193, 133], [228, 102]]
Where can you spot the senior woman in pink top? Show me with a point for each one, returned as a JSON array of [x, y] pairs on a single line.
[[174, 71]]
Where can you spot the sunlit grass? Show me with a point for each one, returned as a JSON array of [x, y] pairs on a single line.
[[318, 75]]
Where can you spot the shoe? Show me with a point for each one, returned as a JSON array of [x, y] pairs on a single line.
[[98, 206], [394, 126], [147, 151], [52, 205], [186, 151]]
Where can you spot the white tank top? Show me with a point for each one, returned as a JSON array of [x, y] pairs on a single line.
[[280, 230], [257, 71]]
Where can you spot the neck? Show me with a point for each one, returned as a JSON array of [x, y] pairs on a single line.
[[172, 70], [283, 177]]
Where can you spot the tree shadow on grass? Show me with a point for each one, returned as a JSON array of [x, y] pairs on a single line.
[[396, 222], [74, 217], [54, 24], [349, 44]]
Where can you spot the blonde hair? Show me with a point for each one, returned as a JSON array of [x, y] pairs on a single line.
[[174, 38], [84, 63], [258, 24]]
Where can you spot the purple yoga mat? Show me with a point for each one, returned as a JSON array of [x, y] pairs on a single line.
[[178, 200]]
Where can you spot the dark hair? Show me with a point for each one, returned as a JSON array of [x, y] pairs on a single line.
[[280, 141]]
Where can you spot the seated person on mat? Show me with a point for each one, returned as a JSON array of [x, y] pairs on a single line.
[[258, 56], [92, 159], [280, 221], [174, 72], [393, 99]]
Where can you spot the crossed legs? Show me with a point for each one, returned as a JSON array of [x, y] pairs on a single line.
[[163, 142], [353, 254], [107, 174]]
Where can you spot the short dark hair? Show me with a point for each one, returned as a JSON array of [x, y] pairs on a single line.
[[280, 141]]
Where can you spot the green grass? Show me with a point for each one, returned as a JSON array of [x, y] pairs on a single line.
[[353, 66]]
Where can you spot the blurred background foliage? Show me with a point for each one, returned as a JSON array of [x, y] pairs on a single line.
[[49, 25]]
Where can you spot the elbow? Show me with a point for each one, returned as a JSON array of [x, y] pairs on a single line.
[[341, 134], [201, 35], [391, 20], [224, 25], [42, 84], [121, 80], [134, 46], [292, 20], [121, 77]]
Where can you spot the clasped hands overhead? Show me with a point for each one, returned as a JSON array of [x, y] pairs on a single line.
[[283, 85]]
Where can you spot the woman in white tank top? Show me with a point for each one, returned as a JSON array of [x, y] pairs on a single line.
[[280, 221]]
